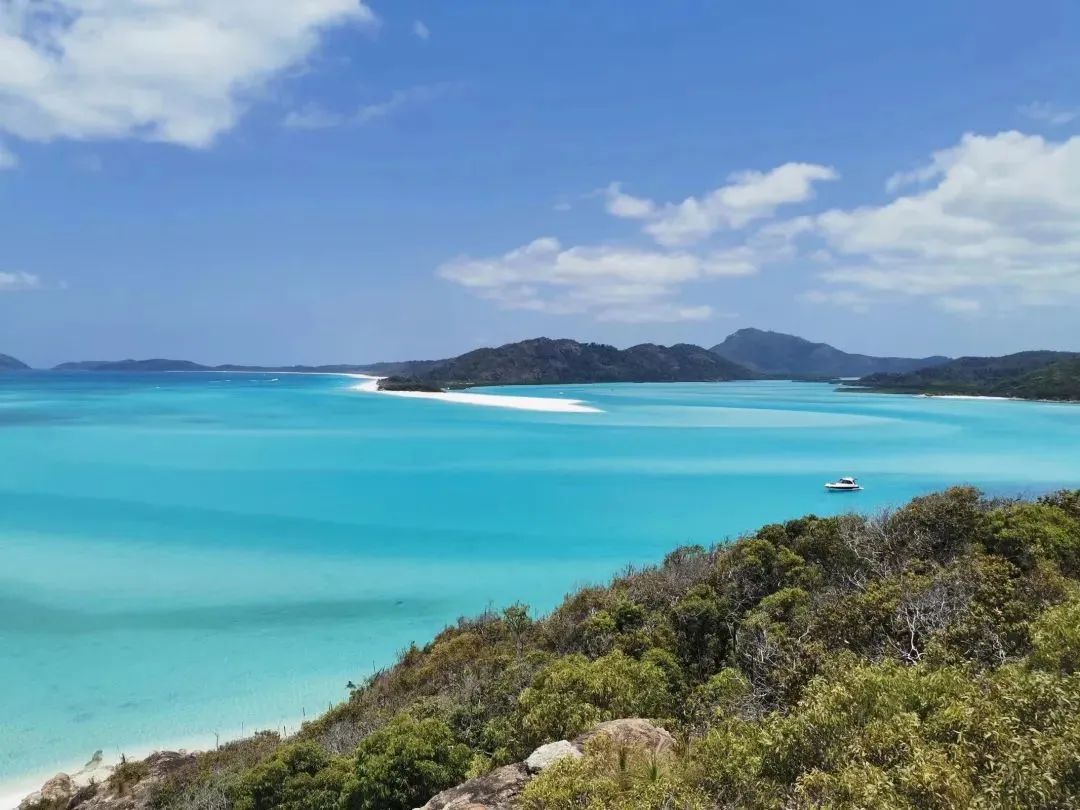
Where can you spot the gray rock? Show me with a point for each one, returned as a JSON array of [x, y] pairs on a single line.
[[494, 791], [633, 732], [548, 754], [57, 790]]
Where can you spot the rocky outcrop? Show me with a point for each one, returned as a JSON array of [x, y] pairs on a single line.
[[494, 791], [633, 732], [57, 792], [130, 786], [551, 753], [499, 789]]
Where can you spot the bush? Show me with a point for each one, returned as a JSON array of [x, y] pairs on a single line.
[[574, 693], [403, 764]]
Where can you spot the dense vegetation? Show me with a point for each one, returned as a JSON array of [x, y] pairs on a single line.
[[927, 657], [398, 383], [546, 361], [1029, 375], [9, 363], [779, 355]]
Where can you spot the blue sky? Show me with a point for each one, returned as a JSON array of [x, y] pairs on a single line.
[[325, 181]]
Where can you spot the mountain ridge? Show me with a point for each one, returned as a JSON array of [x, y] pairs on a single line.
[[1038, 374], [9, 363], [547, 361], [778, 354]]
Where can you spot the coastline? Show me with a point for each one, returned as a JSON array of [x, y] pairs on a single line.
[[543, 404], [16, 789], [844, 389]]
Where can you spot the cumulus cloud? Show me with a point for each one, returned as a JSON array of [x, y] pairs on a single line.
[[626, 206], [610, 283], [634, 284], [18, 282], [999, 214], [748, 196], [1047, 113], [179, 71]]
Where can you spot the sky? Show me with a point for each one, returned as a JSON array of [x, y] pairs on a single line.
[[318, 181]]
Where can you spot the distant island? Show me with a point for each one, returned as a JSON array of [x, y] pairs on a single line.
[[775, 354], [544, 361], [1024, 375], [9, 363], [747, 354], [160, 364]]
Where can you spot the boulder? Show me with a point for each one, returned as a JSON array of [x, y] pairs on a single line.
[[57, 791], [633, 732], [551, 753], [494, 791]]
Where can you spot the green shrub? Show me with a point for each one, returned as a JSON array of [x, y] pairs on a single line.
[[403, 764], [574, 693]]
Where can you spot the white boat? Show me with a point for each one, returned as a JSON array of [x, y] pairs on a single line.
[[843, 485]]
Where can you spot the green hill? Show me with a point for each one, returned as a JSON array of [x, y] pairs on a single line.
[[779, 355], [547, 361], [1031, 375], [927, 657]]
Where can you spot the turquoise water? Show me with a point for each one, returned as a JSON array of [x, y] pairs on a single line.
[[190, 554]]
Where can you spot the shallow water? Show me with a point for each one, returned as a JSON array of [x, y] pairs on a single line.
[[190, 554]]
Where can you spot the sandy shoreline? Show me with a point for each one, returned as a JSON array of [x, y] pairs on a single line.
[[972, 396], [546, 404], [14, 790]]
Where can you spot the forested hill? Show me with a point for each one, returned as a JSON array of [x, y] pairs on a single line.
[[1029, 375], [547, 361], [9, 363], [927, 657], [780, 355]]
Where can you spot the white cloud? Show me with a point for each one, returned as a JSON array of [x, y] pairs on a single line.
[[1001, 216], [18, 282], [635, 285], [748, 196], [625, 206], [421, 30], [8, 159], [1047, 113], [609, 283], [180, 71], [403, 99], [312, 116]]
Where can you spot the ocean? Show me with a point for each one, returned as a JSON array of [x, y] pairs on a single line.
[[188, 557]]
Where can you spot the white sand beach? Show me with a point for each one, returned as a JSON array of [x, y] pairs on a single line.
[[967, 396], [548, 404]]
